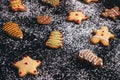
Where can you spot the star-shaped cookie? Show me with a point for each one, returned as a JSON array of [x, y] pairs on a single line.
[[102, 35], [27, 65], [77, 16], [16, 5]]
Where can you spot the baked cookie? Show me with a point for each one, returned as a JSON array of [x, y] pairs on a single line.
[[102, 36], [13, 30], [88, 56], [16, 5], [53, 3], [54, 40], [111, 13], [77, 16], [44, 19], [27, 66], [88, 1]]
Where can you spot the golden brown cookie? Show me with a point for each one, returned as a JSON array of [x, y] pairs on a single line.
[[88, 56], [102, 35], [77, 16], [88, 1], [111, 13], [54, 3], [27, 66], [13, 30], [44, 19], [16, 5], [54, 40]]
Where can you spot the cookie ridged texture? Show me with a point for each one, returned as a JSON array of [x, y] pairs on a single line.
[[43, 19], [55, 40], [53, 3], [13, 30]]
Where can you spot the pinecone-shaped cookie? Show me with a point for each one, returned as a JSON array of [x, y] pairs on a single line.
[[54, 40], [13, 30]]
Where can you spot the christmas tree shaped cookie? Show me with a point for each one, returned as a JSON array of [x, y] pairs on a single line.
[[54, 40], [16, 5]]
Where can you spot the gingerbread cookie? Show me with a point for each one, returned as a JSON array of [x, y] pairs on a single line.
[[27, 65], [102, 35], [88, 1], [54, 3], [54, 40], [77, 16], [16, 5], [111, 13], [88, 56], [43, 19], [13, 30]]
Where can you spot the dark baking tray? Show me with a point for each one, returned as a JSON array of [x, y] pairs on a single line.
[[59, 64]]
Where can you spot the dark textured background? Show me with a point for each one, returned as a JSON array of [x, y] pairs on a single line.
[[59, 64]]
